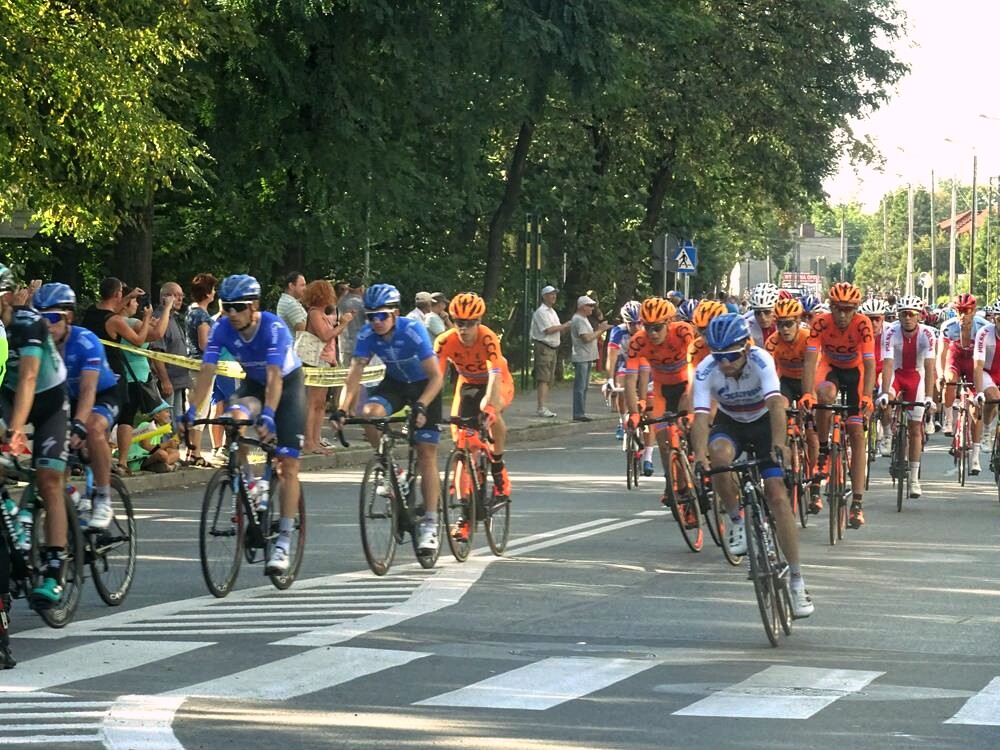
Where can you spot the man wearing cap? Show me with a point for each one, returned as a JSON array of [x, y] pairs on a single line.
[[546, 334], [437, 316], [423, 303], [584, 353], [351, 301]]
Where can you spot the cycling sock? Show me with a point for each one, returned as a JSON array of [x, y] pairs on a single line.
[[101, 492], [975, 449], [54, 561], [647, 454], [914, 468], [856, 498]]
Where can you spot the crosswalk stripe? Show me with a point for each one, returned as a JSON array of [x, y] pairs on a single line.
[[579, 535], [89, 661], [542, 685], [50, 739], [142, 721], [303, 673], [982, 709], [782, 692]]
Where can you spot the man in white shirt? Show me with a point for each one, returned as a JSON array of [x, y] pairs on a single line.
[[289, 308], [423, 302], [437, 316], [546, 336]]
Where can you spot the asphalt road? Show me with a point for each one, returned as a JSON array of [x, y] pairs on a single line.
[[598, 630]]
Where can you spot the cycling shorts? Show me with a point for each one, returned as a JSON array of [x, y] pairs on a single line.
[[909, 386], [393, 395], [290, 416], [468, 397], [958, 364], [743, 435], [847, 381], [105, 404], [223, 389], [667, 397], [791, 388], [49, 418]]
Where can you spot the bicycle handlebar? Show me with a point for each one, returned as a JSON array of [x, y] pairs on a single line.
[[667, 417]]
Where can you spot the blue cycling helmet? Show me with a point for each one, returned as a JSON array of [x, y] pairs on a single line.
[[630, 311], [7, 281], [54, 296], [239, 288], [809, 303], [727, 331], [378, 296], [686, 309]]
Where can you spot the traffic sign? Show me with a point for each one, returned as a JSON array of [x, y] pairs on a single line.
[[687, 258]]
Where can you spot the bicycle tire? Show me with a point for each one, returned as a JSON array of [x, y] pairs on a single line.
[[963, 447], [61, 614], [780, 574], [760, 573], [456, 508], [799, 481], [720, 517], [706, 500], [871, 443], [845, 484], [687, 503], [282, 581], [900, 459], [113, 551], [833, 491], [495, 515], [221, 520], [374, 512], [631, 480]]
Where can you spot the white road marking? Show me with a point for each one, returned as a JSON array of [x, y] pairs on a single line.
[[142, 722], [542, 685], [982, 709], [53, 739], [781, 692]]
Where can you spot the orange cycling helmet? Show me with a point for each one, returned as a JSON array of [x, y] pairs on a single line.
[[965, 302], [467, 306], [657, 310], [788, 308], [707, 310], [845, 293]]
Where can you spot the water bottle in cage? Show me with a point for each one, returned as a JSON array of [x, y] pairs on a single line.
[[13, 524]]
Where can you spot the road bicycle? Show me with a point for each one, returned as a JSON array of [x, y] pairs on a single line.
[[470, 493], [995, 451], [799, 472], [871, 442], [238, 520], [388, 504], [27, 553], [768, 569], [681, 493], [838, 475], [899, 462], [633, 445], [961, 439]]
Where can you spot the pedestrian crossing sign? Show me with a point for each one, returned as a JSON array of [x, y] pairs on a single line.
[[687, 258]]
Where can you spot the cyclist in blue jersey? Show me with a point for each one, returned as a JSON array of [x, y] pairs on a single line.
[[93, 392], [34, 391], [412, 377], [262, 344]]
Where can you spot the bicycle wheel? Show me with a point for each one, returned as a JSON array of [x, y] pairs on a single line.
[[427, 558], [631, 476], [780, 574], [900, 460], [799, 492], [871, 444], [963, 446], [496, 516], [759, 555], [706, 501], [221, 532], [298, 549], [845, 484], [685, 501], [377, 517], [60, 614], [834, 491], [720, 517], [113, 551], [459, 512]]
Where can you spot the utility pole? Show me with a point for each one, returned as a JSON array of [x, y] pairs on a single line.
[[843, 247], [972, 240], [951, 246], [909, 238], [933, 246]]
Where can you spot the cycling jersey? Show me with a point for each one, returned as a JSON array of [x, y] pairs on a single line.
[[744, 398], [271, 345], [985, 350], [84, 352], [618, 339], [28, 336], [789, 358], [408, 346], [842, 349], [958, 355], [697, 351], [907, 351], [474, 362], [757, 333], [668, 361]]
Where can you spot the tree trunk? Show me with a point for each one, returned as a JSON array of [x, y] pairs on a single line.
[[658, 186], [133, 254]]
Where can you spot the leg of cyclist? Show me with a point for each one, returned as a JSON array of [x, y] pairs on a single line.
[[788, 538], [99, 450], [722, 451], [826, 393]]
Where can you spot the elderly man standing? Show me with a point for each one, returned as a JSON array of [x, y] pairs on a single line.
[[290, 309], [423, 302], [174, 381], [546, 334], [437, 318], [351, 302], [584, 337]]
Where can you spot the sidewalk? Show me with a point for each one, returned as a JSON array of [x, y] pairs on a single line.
[[523, 425]]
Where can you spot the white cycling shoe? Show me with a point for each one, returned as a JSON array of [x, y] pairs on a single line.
[[915, 489], [278, 563], [427, 536], [737, 541], [101, 516], [802, 603]]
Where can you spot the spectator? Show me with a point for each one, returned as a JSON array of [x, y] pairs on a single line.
[[437, 316], [290, 308], [584, 337], [199, 324], [423, 302], [351, 302], [157, 454], [175, 381], [323, 322], [546, 335]]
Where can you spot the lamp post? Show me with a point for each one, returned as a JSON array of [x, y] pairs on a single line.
[[933, 246], [974, 208]]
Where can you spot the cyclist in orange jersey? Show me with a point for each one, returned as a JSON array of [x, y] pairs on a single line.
[[664, 345], [840, 357], [485, 385], [703, 314]]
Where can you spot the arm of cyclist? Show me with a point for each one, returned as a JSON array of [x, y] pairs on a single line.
[[349, 393], [809, 379], [631, 400], [202, 384], [779, 423], [24, 397], [432, 389], [266, 427], [699, 438]]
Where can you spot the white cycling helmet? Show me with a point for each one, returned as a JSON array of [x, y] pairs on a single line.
[[822, 307], [873, 306], [630, 311], [763, 296], [910, 302]]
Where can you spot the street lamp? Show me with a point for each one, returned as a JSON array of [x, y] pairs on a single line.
[[972, 227]]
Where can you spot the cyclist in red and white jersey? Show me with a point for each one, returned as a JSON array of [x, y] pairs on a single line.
[[760, 317], [958, 337], [986, 370]]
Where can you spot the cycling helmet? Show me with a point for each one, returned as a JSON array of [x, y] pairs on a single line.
[[675, 293], [891, 312], [7, 281], [785, 294], [686, 309], [809, 303], [763, 296], [965, 302], [630, 311], [656, 310], [707, 310], [930, 317], [873, 306], [996, 306], [466, 306], [379, 296], [910, 302], [845, 293], [788, 308], [239, 288], [727, 331], [822, 307], [54, 296]]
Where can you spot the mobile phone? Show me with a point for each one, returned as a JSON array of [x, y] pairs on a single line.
[[143, 301]]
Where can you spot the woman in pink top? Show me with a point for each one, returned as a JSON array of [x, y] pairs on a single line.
[[325, 323]]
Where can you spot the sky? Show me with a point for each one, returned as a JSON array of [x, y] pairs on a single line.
[[951, 48]]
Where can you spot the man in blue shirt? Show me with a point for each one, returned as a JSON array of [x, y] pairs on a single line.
[[413, 378]]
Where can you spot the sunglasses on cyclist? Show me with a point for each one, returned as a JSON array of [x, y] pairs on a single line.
[[727, 356], [655, 327], [787, 323], [909, 313], [235, 307], [378, 317], [843, 308], [54, 316], [466, 322], [875, 318]]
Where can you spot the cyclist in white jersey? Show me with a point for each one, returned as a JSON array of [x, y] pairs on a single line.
[[986, 370]]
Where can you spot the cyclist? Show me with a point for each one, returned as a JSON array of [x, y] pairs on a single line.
[[485, 385], [874, 309], [986, 372], [412, 377], [760, 317], [262, 344], [908, 356], [34, 391], [702, 316], [742, 381], [846, 342], [809, 304], [93, 391], [957, 339], [664, 345], [7, 660], [618, 342]]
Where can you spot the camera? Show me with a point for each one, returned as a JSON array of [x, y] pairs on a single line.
[[143, 301]]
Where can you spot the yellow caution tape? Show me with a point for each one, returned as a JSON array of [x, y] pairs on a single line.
[[163, 429], [319, 376]]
